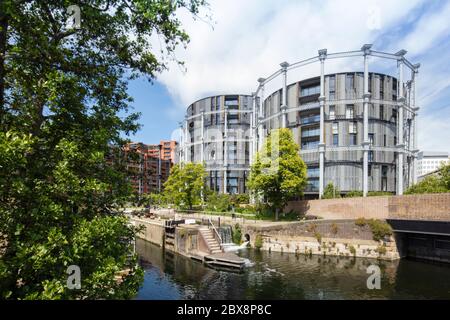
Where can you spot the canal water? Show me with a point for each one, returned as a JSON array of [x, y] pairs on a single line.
[[288, 276]]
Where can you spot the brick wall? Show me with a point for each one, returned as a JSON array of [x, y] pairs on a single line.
[[412, 207]]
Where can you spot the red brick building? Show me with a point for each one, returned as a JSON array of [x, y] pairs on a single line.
[[146, 167]]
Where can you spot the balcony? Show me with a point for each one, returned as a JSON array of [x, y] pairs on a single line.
[[310, 133], [310, 119]]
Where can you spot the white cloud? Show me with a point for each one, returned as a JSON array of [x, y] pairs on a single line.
[[251, 37]]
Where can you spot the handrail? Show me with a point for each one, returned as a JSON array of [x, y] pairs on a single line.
[[216, 232]]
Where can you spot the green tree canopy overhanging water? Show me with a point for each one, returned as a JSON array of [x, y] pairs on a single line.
[[62, 90]]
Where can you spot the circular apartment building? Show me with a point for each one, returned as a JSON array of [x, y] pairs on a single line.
[[216, 132], [355, 129]]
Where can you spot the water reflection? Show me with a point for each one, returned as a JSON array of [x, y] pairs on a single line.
[[287, 276]]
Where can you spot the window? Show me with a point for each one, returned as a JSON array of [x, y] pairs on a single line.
[[371, 139], [335, 140], [312, 172], [307, 145], [332, 112], [370, 156], [369, 170], [370, 83], [349, 112], [384, 141], [352, 125], [384, 171], [335, 131], [332, 88], [381, 112], [310, 90], [310, 132], [353, 139], [335, 127], [394, 115], [349, 86], [394, 90], [310, 119], [395, 140], [349, 82]]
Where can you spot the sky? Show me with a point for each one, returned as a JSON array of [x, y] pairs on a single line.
[[246, 40]]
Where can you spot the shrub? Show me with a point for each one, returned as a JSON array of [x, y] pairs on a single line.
[[318, 236], [354, 194], [334, 228], [381, 250], [237, 234], [218, 202], [331, 192], [258, 241], [238, 199], [352, 250], [360, 222], [311, 227], [379, 229]]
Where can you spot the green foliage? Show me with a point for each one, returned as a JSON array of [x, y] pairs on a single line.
[[360, 222], [353, 194], [185, 185], [278, 172], [439, 183], [258, 242], [218, 202], [334, 228], [379, 228], [237, 199], [237, 234], [381, 250], [331, 192], [63, 105], [352, 250], [318, 236]]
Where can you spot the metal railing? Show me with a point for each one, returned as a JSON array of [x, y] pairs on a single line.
[[216, 233]]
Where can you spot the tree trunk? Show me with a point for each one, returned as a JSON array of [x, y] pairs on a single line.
[[277, 211]]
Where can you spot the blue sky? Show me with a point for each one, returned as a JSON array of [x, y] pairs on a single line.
[[155, 104], [246, 40]]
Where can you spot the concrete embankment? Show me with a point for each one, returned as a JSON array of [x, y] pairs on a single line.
[[322, 237]]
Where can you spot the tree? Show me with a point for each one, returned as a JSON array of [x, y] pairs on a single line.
[[185, 185], [62, 104], [331, 191], [437, 183], [278, 173]]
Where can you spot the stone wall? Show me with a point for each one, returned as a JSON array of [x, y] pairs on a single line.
[[153, 231], [413, 207], [333, 238]]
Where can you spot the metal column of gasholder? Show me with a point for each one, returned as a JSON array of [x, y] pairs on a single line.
[[401, 102], [322, 57], [185, 140], [253, 129], [415, 109], [261, 114], [284, 107], [225, 149], [202, 150], [366, 143]]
